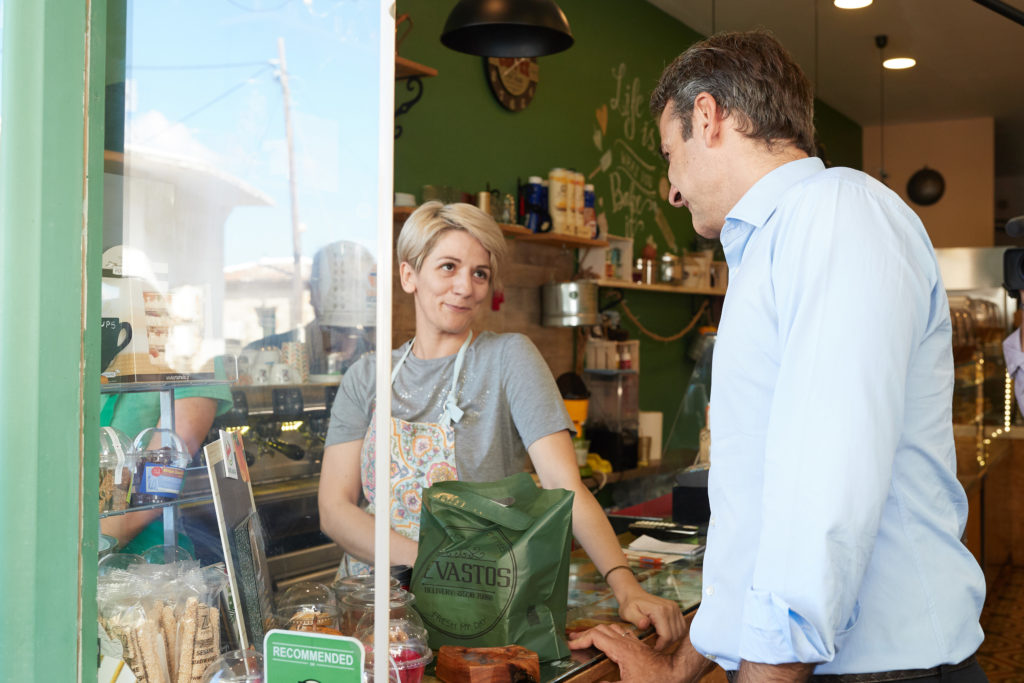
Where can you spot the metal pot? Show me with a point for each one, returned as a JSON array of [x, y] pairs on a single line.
[[569, 304]]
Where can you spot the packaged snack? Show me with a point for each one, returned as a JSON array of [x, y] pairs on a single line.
[[117, 466]]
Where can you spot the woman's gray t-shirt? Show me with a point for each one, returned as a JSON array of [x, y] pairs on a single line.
[[505, 389]]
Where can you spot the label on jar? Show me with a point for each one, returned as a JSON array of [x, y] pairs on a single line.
[[162, 480]]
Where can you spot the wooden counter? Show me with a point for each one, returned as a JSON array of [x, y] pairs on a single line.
[[590, 600]]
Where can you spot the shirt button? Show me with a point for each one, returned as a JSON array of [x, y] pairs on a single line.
[[711, 657], [710, 590], [713, 522]]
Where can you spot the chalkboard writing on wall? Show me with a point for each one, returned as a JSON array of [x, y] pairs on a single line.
[[590, 113]]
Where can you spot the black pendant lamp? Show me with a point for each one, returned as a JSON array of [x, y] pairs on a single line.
[[507, 28]]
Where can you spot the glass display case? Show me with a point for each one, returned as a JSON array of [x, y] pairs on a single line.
[[981, 313], [239, 249]]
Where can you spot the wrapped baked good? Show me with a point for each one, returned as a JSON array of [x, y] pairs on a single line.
[[117, 467], [164, 618]]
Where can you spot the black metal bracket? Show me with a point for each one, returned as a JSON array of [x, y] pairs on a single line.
[[412, 84]]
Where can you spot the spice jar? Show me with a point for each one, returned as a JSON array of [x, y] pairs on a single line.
[[668, 268], [116, 470], [160, 460]]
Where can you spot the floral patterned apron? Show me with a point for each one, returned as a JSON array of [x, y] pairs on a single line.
[[422, 454]]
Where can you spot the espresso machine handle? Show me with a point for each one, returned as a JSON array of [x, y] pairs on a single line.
[[290, 451]]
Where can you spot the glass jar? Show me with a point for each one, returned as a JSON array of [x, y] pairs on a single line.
[[117, 466], [160, 461]]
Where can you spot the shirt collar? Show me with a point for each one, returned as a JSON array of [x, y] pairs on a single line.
[[758, 204]]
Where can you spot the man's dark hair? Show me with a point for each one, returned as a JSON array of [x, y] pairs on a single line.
[[752, 77]]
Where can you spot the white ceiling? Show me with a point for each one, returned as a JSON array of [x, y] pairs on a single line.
[[970, 60]]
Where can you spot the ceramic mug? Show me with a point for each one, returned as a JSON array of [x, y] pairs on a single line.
[[260, 374], [110, 334], [282, 373], [268, 356]]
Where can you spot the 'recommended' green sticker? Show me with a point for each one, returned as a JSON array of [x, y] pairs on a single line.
[[293, 656]]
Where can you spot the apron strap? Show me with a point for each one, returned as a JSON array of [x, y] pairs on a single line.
[[452, 412]]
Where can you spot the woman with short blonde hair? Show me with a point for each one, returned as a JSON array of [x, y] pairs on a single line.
[[463, 406]]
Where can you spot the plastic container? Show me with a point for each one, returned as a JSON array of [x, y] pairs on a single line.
[[350, 584], [160, 461], [117, 467], [166, 554], [358, 606], [107, 545], [408, 651], [308, 606], [237, 666]]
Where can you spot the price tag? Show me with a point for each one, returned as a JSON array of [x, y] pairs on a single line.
[[290, 656]]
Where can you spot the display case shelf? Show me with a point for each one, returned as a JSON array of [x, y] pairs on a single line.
[[671, 289], [139, 387]]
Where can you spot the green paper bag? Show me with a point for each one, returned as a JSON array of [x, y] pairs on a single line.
[[493, 565]]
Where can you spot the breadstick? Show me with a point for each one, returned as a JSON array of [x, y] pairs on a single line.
[[186, 641]]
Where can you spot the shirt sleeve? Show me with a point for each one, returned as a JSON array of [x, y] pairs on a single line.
[[854, 285], [354, 402], [534, 401], [220, 393]]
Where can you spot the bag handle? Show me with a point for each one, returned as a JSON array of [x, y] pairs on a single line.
[[458, 496]]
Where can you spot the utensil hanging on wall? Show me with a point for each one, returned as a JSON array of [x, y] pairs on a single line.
[[926, 186]]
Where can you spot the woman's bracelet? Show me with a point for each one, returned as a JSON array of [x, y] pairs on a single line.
[[618, 566]]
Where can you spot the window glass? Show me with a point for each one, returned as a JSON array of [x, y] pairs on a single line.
[[239, 243], [241, 186]]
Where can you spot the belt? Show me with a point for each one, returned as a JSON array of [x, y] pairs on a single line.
[[881, 676]]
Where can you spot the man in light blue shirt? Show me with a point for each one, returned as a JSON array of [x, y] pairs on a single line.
[[834, 545]]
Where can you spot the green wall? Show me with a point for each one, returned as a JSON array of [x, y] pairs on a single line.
[[459, 135]]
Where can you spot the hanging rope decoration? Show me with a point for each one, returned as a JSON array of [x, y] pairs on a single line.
[[678, 335]]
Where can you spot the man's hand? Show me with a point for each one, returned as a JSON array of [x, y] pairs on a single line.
[[639, 607], [637, 662]]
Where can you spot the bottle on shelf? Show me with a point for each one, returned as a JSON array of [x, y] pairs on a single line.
[[590, 229], [559, 194]]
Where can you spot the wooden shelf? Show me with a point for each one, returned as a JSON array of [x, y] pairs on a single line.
[[562, 240], [514, 230], [671, 289], [406, 68], [520, 233]]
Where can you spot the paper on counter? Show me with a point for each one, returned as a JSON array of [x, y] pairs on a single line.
[[647, 545]]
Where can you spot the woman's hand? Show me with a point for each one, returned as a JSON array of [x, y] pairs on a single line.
[[637, 662], [639, 607]]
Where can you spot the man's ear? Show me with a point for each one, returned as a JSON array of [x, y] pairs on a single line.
[[707, 119], [407, 276]]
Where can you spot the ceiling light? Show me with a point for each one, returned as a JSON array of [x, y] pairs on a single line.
[[507, 28], [899, 63], [851, 4]]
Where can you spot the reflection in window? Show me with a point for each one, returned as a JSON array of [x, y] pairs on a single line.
[[241, 184]]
